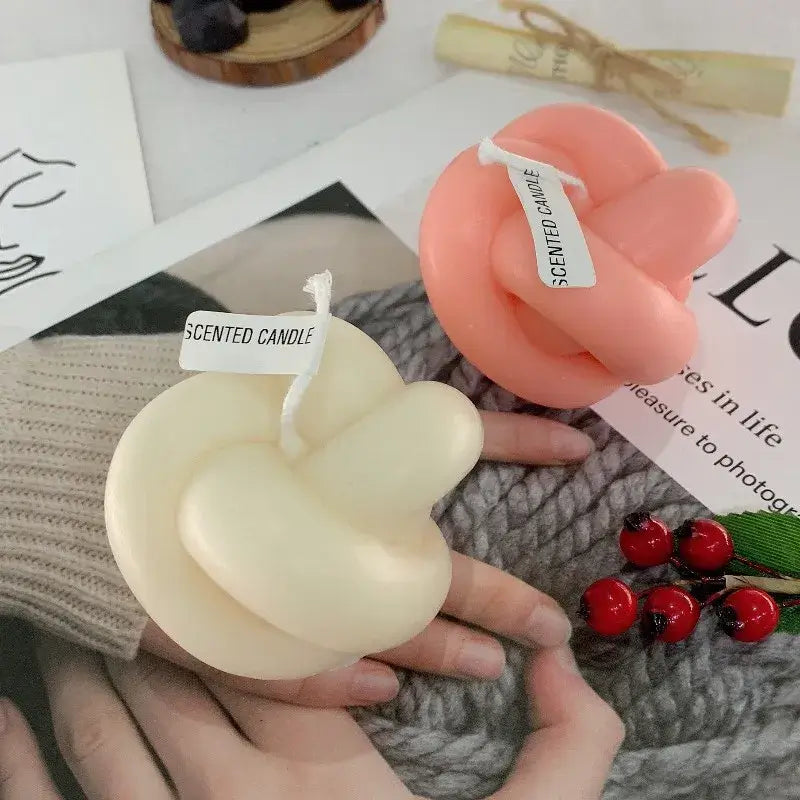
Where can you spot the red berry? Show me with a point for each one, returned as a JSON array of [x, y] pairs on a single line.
[[704, 545], [670, 614], [645, 540], [749, 615], [609, 606]]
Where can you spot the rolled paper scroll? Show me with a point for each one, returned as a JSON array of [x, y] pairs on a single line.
[[270, 564], [647, 229], [574, 54], [734, 81]]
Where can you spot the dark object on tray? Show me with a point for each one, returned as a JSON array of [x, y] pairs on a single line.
[[263, 42]]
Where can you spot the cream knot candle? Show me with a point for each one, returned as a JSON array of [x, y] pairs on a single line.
[[278, 527]]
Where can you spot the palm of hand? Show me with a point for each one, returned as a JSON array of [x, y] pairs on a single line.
[[316, 753]]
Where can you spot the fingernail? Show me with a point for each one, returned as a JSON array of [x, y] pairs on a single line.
[[548, 626], [567, 659], [374, 684], [570, 445], [481, 658], [3, 715]]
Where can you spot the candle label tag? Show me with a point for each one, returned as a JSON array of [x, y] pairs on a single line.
[[562, 255], [252, 344]]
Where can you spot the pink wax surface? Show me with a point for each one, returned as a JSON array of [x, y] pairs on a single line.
[[647, 227]]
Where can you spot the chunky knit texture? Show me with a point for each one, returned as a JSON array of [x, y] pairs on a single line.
[[709, 719]]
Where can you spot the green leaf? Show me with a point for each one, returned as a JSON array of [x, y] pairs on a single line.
[[774, 541]]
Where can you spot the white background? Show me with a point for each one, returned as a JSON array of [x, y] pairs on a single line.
[[200, 138]]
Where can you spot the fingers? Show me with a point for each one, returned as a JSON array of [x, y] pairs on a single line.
[[363, 683], [485, 596], [527, 439], [447, 648], [183, 723], [22, 773], [96, 736], [569, 756]]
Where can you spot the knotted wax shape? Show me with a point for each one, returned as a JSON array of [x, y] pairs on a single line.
[[271, 567], [647, 227]]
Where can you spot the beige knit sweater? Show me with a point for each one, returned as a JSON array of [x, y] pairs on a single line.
[[64, 403]]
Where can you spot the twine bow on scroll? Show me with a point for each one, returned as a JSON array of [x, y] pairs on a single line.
[[609, 61], [569, 52]]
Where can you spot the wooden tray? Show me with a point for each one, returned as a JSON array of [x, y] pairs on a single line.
[[297, 42]]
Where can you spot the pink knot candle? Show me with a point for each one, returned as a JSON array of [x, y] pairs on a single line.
[[647, 228]]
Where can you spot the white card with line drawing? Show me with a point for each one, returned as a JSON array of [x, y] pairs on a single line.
[[72, 181]]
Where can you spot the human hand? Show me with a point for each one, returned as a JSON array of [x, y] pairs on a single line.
[[215, 743], [480, 597]]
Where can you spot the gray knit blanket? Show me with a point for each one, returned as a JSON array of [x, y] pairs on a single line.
[[708, 719]]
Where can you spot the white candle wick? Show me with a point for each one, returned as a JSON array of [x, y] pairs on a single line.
[[491, 153], [319, 286]]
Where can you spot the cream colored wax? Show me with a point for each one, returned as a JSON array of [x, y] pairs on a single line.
[[271, 567]]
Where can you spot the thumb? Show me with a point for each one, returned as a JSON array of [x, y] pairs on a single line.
[[569, 755]]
